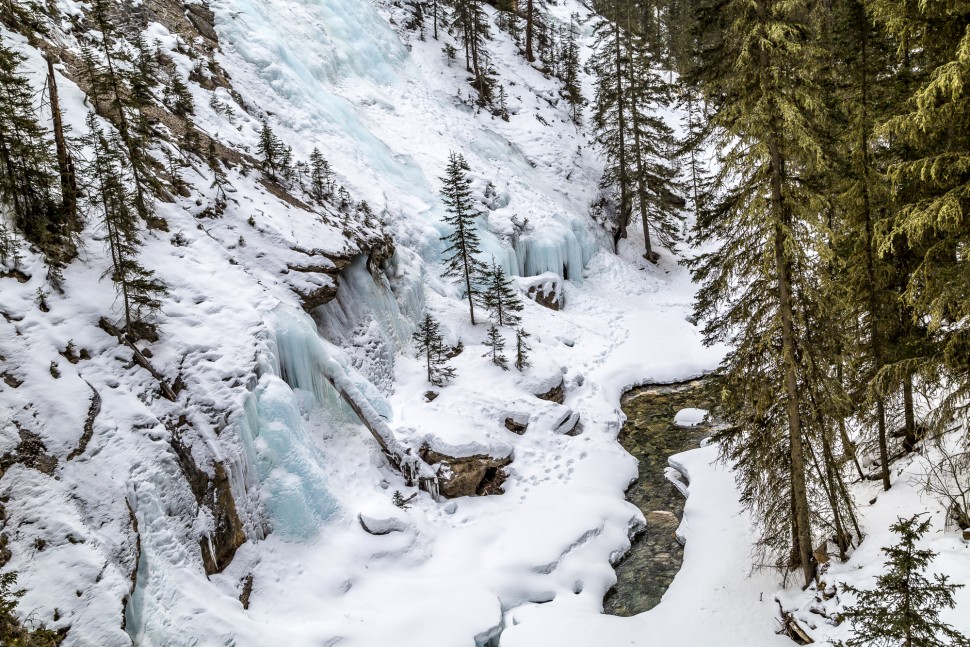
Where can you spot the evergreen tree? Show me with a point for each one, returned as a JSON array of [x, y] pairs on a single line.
[[655, 188], [429, 343], [110, 86], [273, 154], [499, 297], [110, 179], [611, 117], [496, 347], [28, 176], [470, 24], [932, 187], [762, 289], [903, 610], [569, 70], [637, 142], [461, 261], [321, 177], [522, 349], [178, 99]]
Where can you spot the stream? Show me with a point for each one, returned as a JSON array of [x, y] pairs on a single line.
[[650, 434]]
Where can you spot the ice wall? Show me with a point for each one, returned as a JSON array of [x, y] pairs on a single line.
[[338, 77], [367, 321]]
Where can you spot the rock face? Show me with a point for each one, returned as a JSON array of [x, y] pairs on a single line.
[[475, 475], [516, 426], [545, 289], [556, 394], [215, 494]]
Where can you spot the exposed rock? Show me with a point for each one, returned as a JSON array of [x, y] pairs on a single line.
[[966, 534], [219, 549], [382, 526], [556, 394], [479, 474], [568, 423], [517, 426], [821, 553], [545, 289], [203, 20], [93, 410], [214, 494], [430, 395], [11, 380], [31, 452], [247, 590]]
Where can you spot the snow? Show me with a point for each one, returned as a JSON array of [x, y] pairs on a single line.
[[690, 417], [528, 567]]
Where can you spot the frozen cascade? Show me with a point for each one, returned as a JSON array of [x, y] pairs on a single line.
[[290, 464], [367, 322], [348, 55], [309, 363]]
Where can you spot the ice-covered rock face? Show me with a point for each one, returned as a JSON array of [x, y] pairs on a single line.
[[353, 90]]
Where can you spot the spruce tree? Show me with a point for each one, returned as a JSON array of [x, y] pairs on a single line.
[[470, 24], [499, 297], [461, 261], [570, 67], [28, 176], [522, 349], [654, 177], [761, 290], [932, 187], [496, 347], [429, 343], [637, 143], [321, 177], [273, 154], [111, 180], [611, 111], [111, 88], [903, 610]]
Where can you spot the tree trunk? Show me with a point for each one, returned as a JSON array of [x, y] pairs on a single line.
[[64, 163], [783, 270], [529, 8], [911, 435], [624, 215]]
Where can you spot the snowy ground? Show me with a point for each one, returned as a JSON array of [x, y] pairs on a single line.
[[532, 564]]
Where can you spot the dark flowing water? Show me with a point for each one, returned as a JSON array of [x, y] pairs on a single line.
[[650, 434]]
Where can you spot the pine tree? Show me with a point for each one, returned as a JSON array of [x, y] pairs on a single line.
[[638, 144], [110, 179], [111, 89], [903, 610], [762, 290], [469, 22], [655, 188], [569, 71], [932, 131], [178, 99], [461, 261], [499, 297], [321, 177], [429, 343], [496, 347], [274, 157], [28, 176], [522, 349]]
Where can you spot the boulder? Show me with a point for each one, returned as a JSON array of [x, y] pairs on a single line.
[[556, 394], [545, 289], [475, 475], [517, 423]]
